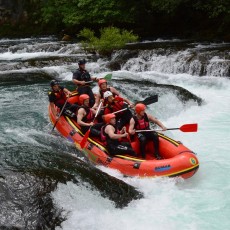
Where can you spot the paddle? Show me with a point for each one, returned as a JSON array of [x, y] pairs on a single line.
[[85, 138], [60, 114], [183, 128], [108, 76], [149, 100]]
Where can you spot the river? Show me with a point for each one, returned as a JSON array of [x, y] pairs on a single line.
[[45, 183]]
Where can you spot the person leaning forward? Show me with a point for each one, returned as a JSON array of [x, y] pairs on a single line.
[[86, 116], [58, 96], [80, 77], [116, 104], [140, 121], [111, 135]]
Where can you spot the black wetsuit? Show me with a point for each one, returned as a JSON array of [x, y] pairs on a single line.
[[146, 136], [83, 75], [115, 147]]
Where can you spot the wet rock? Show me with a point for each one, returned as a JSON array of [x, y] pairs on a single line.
[[120, 57], [66, 37], [160, 89], [34, 172]]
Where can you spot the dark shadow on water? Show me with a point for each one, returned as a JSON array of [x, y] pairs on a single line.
[[30, 173]]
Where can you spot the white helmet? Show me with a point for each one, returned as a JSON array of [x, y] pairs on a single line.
[[107, 94]]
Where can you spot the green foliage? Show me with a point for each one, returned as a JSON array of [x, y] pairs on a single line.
[[213, 8], [167, 6], [75, 12], [111, 38], [146, 17], [89, 39]]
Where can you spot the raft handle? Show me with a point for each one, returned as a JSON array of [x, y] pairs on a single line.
[[187, 152]]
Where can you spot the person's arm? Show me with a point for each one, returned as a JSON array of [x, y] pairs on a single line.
[[80, 115], [118, 98], [111, 132], [97, 101], [129, 102], [94, 78], [54, 111], [75, 79], [113, 90], [67, 92], [131, 126], [93, 110], [77, 82], [155, 120]]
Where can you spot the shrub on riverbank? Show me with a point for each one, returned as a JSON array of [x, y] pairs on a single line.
[[110, 39]]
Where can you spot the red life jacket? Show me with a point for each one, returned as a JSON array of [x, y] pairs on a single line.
[[141, 124], [116, 105], [89, 115], [60, 98]]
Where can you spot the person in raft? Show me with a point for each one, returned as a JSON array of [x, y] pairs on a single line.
[[57, 97], [111, 136], [113, 105], [103, 87], [140, 121], [80, 78], [86, 116]]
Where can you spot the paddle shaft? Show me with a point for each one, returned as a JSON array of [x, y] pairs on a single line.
[[120, 110], [146, 130], [63, 107], [98, 110], [183, 128], [85, 138]]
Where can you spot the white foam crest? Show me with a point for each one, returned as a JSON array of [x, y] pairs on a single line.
[[185, 61], [55, 71], [41, 50], [153, 211], [212, 118], [26, 39], [168, 63], [60, 72], [210, 45], [218, 67], [23, 55]]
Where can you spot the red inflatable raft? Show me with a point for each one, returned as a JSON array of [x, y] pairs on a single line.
[[177, 160]]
